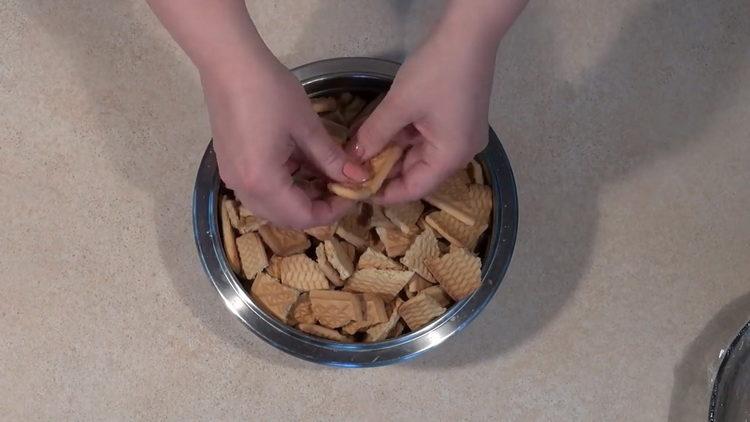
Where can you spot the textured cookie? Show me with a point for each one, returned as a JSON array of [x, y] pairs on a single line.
[[405, 215], [284, 242], [322, 233], [374, 313], [229, 239], [323, 332], [250, 223], [386, 283], [476, 174], [354, 231], [379, 332], [243, 211], [458, 272], [301, 312], [419, 311], [425, 246], [230, 207], [274, 267], [396, 242], [243, 219], [452, 197], [437, 293], [480, 201], [302, 273], [252, 254], [397, 330], [378, 218], [455, 231], [273, 296], [331, 274], [374, 259], [417, 284], [334, 309], [339, 257]]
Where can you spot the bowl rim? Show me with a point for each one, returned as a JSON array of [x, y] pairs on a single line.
[[290, 340]]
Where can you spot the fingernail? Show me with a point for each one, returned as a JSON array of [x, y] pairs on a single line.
[[356, 172]]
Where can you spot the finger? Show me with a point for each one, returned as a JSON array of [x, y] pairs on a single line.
[[286, 204], [380, 128], [315, 142]]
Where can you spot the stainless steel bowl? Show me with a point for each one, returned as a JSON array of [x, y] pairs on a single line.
[[361, 75]]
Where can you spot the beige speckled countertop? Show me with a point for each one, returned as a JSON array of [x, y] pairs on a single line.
[[627, 126]]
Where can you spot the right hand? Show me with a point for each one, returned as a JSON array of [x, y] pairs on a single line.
[[260, 116]]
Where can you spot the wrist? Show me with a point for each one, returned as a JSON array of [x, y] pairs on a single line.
[[240, 67]]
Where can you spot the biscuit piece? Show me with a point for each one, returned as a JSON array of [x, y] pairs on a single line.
[[331, 274], [476, 174], [334, 309], [458, 272], [284, 242], [227, 234], [380, 165], [405, 215], [452, 197], [378, 218], [274, 266], [374, 259], [437, 293], [456, 232], [302, 273], [385, 283], [419, 311], [379, 246], [339, 258], [480, 201], [301, 312], [273, 296], [354, 231], [323, 104], [374, 313], [379, 332], [425, 246], [322, 233], [245, 221], [397, 330], [417, 284], [243, 211], [326, 333], [252, 254], [396, 242]]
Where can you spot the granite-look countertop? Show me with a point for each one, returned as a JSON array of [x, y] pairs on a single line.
[[627, 126]]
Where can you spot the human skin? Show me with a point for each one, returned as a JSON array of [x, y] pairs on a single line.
[[250, 97]]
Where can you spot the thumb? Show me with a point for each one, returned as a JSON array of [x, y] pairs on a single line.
[[380, 128], [328, 156]]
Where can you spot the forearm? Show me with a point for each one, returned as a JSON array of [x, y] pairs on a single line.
[[483, 23], [213, 33]]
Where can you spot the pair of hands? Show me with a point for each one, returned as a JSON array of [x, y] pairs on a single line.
[[264, 129]]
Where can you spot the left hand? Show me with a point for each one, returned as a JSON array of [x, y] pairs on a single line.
[[443, 92]]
